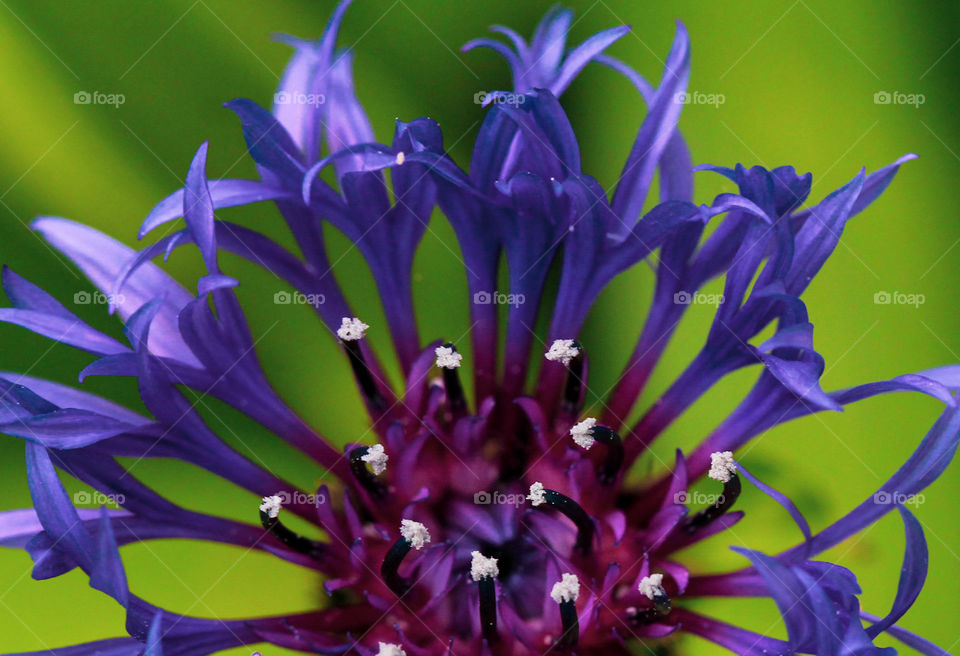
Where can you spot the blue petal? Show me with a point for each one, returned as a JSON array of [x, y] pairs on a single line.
[[912, 574]]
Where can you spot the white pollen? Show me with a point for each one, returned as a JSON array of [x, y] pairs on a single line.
[[652, 586], [271, 506], [415, 533], [582, 433], [482, 567], [562, 350], [447, 358], [537, 494], [722, 466], [377, 458], [351, 330], [401, 158], [566, 589], [390, 649]]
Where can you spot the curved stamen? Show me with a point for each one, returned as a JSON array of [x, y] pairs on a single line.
[[586, 433], [585, 528], [449, 360], [570, 353], [565, 592], [269, 512], [484, 570], [652, 588], [377, 459], [724, 469], [350, 332], [413, 535]]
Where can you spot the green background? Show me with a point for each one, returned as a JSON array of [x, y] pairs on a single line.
[[798, 81]]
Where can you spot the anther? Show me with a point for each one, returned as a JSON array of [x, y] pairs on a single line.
[[570, 353], [413, 535], [350, 332], [587, 433], [652, 588], [390, 649], [269, 519], [449, 361], [565, 592], [484, 570], [723, 468], [585, 528], [377, 458]]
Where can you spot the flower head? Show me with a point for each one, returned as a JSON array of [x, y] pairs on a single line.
[[480, 580]]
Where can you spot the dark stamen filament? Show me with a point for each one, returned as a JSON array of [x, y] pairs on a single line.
[[574, 513], [359, 468], [571, 625], [316, 550], [607, 473], [573, 391], [390, 570], [368, 386], [451, 382], [488, 608], [731, 490]]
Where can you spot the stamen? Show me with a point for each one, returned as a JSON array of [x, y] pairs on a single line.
[[413, 535], [269, 519], [723, 468], [570, 353], [377, 458], [449, 360], [484, 570], [565, 592], [350, 332], [390, 649], [586, 433], [401, 158], [585, 528], [652, 588]]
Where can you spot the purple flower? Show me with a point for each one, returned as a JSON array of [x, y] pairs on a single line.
[[499, 522]]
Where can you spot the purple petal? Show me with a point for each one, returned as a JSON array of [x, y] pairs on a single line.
[[913, 574]]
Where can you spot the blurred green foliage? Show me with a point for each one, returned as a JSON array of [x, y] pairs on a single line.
[[798, 82]]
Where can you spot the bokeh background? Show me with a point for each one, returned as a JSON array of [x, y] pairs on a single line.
[[798, 84]]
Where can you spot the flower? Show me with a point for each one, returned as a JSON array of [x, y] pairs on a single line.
[[485, 575]]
